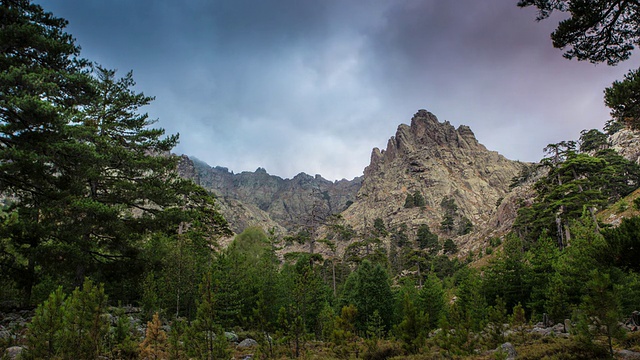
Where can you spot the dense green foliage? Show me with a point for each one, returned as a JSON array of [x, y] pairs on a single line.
[[70, 327], [596, 31], [575, 181], [623, 98], [86, 180], [414, 200]]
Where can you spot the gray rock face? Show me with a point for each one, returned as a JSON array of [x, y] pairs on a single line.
[[430, 157], [438, 161], [13, 352], [187, 169], [259, 199], [510, 350], [247, 343], [627, 143], [627, 354]]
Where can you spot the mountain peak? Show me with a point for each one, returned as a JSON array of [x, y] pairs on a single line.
[[425, 134], [440, 162]]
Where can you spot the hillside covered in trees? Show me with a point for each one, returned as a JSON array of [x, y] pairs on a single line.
[[107, 253]]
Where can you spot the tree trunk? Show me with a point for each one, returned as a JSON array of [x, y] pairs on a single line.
[[595, 220], [333, 265], [560, 233]]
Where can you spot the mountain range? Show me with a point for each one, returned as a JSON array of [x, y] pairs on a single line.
[[446, 166], [464, 191]]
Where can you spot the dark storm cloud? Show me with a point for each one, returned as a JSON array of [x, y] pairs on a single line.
[[491, 66], [313, 86]]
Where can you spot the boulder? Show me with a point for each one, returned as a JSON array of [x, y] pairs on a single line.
[[627, 354], [509, 349], [247, 343], [13, 352], [231, 336], [558, 328]]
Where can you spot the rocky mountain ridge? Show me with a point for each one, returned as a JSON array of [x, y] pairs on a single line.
[[431, 158], [446, 166], [260, 199]]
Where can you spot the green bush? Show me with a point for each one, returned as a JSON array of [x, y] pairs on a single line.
[[622, 206], [69, 327]]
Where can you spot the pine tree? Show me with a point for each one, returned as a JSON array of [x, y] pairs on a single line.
[[154, 345], [428, 240], [431, 300], [72, 327], [541, 259], [43, 83], [413, 329], [369, 290], [205, 335], [418, 199], [496, 318], [596, 31], [88, 175], [622, 98], [122, 341], [344, 335], [44, 334], [124, 183], [601, 307], [471, 303], [409, 201], [507, 274], [518, 322], [86, 325]]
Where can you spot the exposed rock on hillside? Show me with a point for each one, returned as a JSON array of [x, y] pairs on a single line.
[[257, 198], [437, 161], [627, 143], [429, 158]]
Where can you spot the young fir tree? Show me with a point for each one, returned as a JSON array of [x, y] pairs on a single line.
[[344, 334], [601, 309], [86, 324], [44, 333], [123, 344], [496, 318], [205, 335], [369, 290], [154, 345], [507, 274], [412, 331], [431, 300], [72, 327]]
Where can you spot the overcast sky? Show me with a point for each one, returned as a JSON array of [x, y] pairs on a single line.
[[313, 86]]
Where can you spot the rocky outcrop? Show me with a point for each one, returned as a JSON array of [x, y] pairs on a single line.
[[627, 143], [436, 160], [427, 157], [260, 199]]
